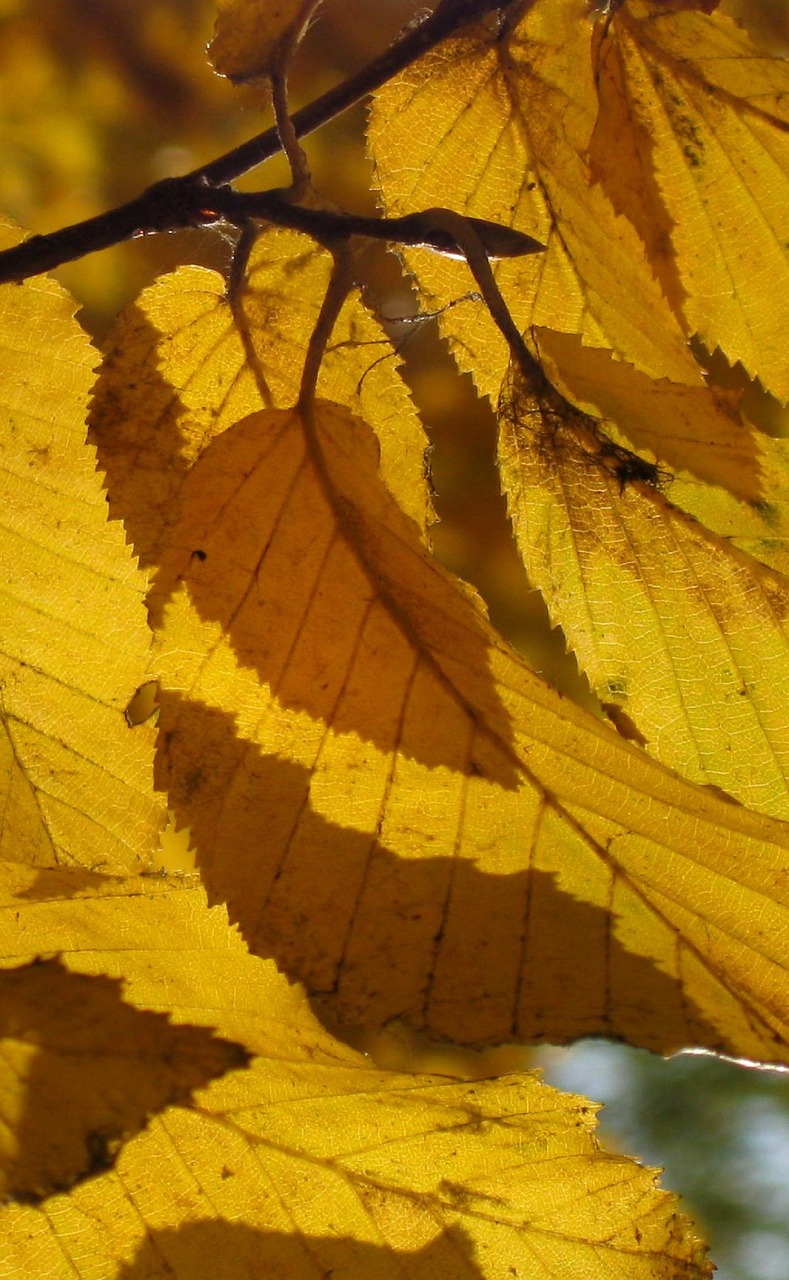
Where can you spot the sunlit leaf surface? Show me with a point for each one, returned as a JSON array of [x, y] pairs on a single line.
[[691, 142], [310, 1160], [699, 430], [177, 374], [679, 635], [761, 527], [82, 1071], [77, 781], [500, 130], [647, 148], [460, 845], [382, 797], [684, 634]]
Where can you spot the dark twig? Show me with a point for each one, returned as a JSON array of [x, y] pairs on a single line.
[[188, 202], [166, 206], [427, 227]]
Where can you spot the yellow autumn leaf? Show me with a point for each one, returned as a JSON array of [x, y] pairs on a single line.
[[177, 373], [499, 126], [74, 642], [674, 627], [713, 463], [310, 1160], [697, 430], [390, 803], [81, 1072], [354, 750], [691, 143], [643, 145], [250, 35], [760, 527]]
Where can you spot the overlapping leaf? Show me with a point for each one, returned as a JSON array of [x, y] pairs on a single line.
[[683, 633], [691, 142], [499, 128], [78, 783], [699, 431], [715, 465], [760, 527], [355, 751], [650, 143], [177, 373], [685, 659], [387, 800], [81, 1072], [310, 1161]]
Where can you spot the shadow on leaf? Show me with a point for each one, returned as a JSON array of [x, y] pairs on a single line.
[[138, 423], [95, 1070], [320, 585], [469, 956], [196, 1251], [319, 582], [696, 429]]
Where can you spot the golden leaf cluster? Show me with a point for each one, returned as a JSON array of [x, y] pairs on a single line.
[[385, 803]]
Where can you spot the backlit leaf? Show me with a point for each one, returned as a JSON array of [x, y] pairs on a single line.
[[692, 144], [723, 471], [381, 798], [177, 374], [82, 1071], [674, 627], [698, 430], [73, 639], [584, 130], [353, 749], [759, 527], [310, 1161], [250, 34], [500, 128]]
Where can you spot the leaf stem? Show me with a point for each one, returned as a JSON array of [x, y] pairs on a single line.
[[340, 284]]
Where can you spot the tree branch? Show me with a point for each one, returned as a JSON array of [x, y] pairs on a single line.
[[187, 201], [429, 228]]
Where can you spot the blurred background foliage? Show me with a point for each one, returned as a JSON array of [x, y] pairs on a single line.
[[100, 98]]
